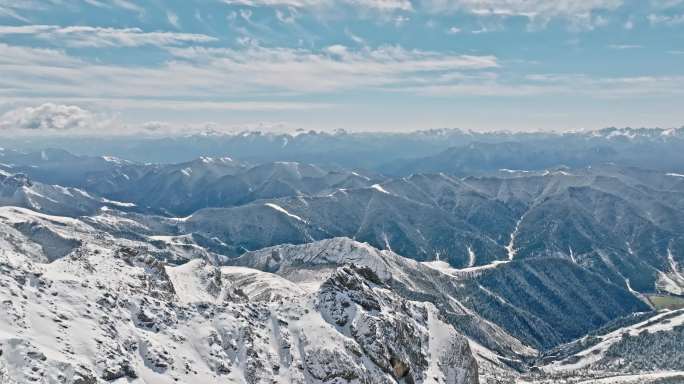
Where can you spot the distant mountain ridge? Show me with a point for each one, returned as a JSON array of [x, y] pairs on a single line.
[[377, 151], [623, 222]]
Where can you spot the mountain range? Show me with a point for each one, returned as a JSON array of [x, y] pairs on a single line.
[[539, 258]]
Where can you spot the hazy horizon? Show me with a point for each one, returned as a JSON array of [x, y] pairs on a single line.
[[43, 138]]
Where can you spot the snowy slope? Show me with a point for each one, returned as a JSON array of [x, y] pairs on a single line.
[[108, 309], [82, 300], [616, 350], [310, 264], [19, 190]]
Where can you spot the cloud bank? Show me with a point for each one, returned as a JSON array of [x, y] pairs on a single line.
[[48, 116]]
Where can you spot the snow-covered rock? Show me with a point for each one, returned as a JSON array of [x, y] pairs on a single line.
[[110, 309], [19, 190]]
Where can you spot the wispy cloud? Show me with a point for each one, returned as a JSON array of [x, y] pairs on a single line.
[[224, 78], [543, 9], [20, 10], [656, 19], [155, 126], [336, 67], [63, 119], [86, 36], [381, 5], [164, 128], [665, 4], [388, 5], [612, 87], [243, 58], [355, 38], [128, 5], [250, 78], [173, 19], [9, 12], [122, 4], [288, 16], [622, 47], [554, 85]]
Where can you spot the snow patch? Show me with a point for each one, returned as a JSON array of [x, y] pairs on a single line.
[[112, 159], [379, 188], [361, 176], [117, 203], [510, 248], [283, 210], [471, 257]]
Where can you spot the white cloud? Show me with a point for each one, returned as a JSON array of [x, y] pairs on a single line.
[[15, 56], [163, 128], [612, 87], [542, 9], [379, 5], [267, 3], [250, 78], [15, 9], [128, 5], [9, 12], [246, 14], [337, 67], [21, 9], [355, 38], [155, 126], [622, 47], [202, 105], [383, 5], [454, 30], [481, 31], [173, 19], [575, 85], [655, 19], [85, 36], [289, 17], [254, 78], [47, 116], [152, 103], [665, 4], [257, 78], [400, 20], [123, 4]]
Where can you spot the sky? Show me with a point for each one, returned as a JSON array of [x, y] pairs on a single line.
[[184, 66]]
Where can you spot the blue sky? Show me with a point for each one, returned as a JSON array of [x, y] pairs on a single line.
[[166, 67]]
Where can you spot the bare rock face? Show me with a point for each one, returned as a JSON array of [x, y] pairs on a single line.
[[119, 370], [393, 332]]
